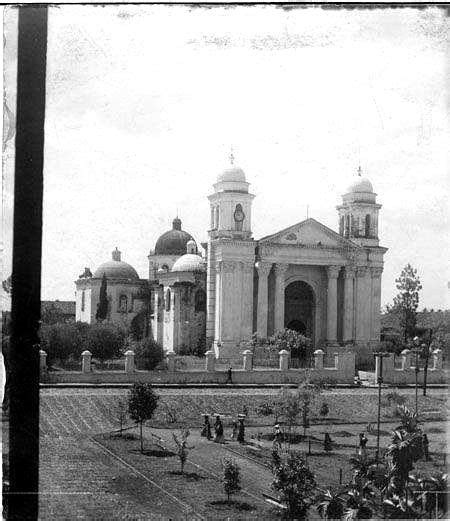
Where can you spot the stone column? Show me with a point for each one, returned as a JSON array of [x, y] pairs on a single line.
[[376, 304], [210, 292], [406, 362], [42, 361], [247, 300], [349, 278], [332, 272], [210, 361], [248, 360], [318, 359], [129, 361], [86, 361], [284, 360], [437, 356], [170, 356], [280, 272], [261, 321], [360, 307]]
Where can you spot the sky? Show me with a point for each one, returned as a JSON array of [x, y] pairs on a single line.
[[144, 103]]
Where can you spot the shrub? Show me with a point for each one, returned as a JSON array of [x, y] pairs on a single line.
[[298, 345], [148, 354], [295, 483], [61, 341], [104, 341], [231, 477]]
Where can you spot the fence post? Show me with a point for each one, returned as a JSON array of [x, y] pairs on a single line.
[[86, 361], [437, 356], [318, 359], [42, 362], [129, 361], [284, 360], [170, 361], [248, 360], [210, 361]]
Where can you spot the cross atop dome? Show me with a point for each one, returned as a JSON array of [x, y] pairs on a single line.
[[231, 156], [116, 254]]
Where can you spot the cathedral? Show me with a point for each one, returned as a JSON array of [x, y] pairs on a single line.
[[309, 278]]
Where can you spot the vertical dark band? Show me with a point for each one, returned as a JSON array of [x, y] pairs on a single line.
[[26, 274]]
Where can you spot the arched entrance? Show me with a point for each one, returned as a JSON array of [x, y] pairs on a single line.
[[299, 308]]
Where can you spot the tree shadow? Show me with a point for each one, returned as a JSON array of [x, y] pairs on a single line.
[[193, 476], [242, 506], [157, 453]]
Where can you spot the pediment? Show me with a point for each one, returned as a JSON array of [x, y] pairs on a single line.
[[309, 233]]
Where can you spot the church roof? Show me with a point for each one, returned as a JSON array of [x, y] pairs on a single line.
[[189, 262], [174, 241], [116, 268], [309, 231]]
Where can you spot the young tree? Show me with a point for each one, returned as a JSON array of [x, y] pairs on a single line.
[[231, 477], [407, 301], [182, 448], [102, 306], [119, 413], [142, 403], [295, 482]]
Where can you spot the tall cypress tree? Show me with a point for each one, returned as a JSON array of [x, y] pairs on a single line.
[[102, 306]]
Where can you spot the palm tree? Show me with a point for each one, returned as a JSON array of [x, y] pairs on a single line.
[[360, 502], [405, 449], [331, 504], [429, 493]]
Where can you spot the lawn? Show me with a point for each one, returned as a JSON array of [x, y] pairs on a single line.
[[84, 479], [199, 487]]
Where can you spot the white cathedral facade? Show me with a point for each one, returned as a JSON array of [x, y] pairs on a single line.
[[309, 278]]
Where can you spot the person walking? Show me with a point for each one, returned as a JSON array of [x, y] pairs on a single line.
[[425, 446], [218, 429]]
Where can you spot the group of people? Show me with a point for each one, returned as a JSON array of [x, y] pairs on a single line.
[[238, 433]]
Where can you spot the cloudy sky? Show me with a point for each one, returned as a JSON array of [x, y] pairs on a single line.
[[144, 103]]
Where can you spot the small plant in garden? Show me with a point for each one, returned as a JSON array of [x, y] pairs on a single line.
[[182, 448], [142, 403], [119, 413], [231, 477], [330, 504], [295, 483]]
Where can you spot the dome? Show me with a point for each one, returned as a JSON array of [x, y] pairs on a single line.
[[189, 262], [116, 268], [232, 174], [174, 241], [360, 184]]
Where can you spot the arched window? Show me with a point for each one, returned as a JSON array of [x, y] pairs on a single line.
[[165, 267], [83, 300], [168, 296], [239, 217], [367, 230], [341, 225], [347, 225], [216, 220], [123, 303], [200, 301]]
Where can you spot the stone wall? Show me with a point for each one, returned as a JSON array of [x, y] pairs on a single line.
[[342, 371], [405, 371]]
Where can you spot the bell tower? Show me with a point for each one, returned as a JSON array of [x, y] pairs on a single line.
[[231, 204], [358, 213], [230, 263]]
